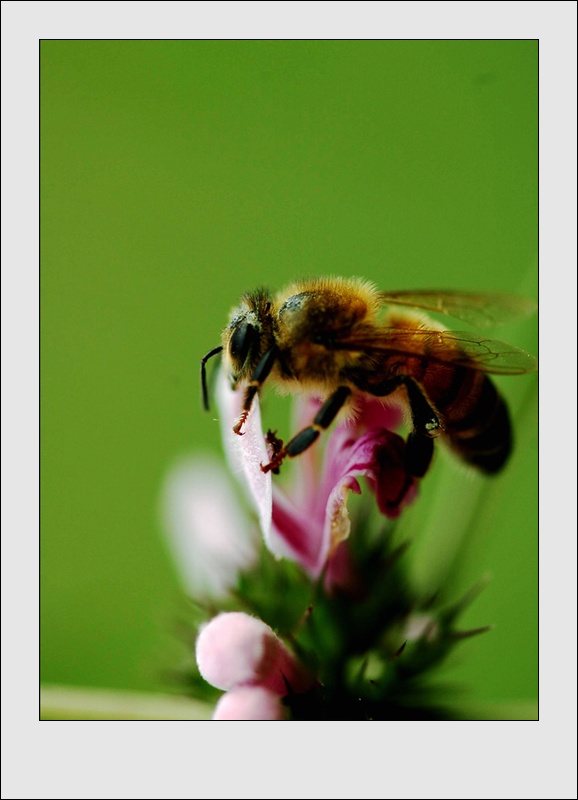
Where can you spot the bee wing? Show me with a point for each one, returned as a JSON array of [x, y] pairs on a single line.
[[483, 310], [459, 348]]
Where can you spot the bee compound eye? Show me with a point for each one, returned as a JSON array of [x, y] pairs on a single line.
[[326, 339], [241, 342]]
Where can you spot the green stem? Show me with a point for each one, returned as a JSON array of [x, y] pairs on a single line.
[[77, 703]]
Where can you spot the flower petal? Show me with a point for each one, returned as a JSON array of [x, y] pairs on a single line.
[[337, 522], [246, 452], [392, 485], [250, 703], [295, 533], [377, 412], [209, 537], [309, 528]]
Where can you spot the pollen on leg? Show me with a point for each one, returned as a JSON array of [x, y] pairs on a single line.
[[433, 427]]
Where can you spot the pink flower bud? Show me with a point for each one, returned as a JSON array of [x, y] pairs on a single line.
[[250, 702], [235, 649]]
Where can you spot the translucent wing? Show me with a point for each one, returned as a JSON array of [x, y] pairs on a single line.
[[459, 348], [483, 310]]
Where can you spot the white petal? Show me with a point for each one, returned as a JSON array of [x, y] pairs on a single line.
[[209, 535], [246, 453]]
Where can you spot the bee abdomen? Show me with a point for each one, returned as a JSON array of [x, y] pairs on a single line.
[[483, 437]]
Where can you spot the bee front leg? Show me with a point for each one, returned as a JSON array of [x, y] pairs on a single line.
[[305, 438], [258, 377]]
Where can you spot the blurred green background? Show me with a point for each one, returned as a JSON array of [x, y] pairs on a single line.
[[177, 174]]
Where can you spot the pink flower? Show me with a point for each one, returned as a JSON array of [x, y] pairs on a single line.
[[307, 522], [236, 651]]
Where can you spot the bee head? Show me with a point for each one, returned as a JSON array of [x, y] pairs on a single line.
[[243, 344], [248, 335]]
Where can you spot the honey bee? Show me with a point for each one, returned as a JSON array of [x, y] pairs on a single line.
[[339, 338]]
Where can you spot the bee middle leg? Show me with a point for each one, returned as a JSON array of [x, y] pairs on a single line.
[[305, 438]]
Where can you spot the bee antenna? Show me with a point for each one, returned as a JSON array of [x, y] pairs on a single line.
[[204, 360]]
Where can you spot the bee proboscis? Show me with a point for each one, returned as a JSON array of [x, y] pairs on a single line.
[[339, 338]]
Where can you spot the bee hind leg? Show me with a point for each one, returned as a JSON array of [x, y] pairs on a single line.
[[418, 454], [305, 438], [426, 426]]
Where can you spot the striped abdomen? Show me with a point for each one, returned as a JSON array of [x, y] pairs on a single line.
[[475, 417]]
